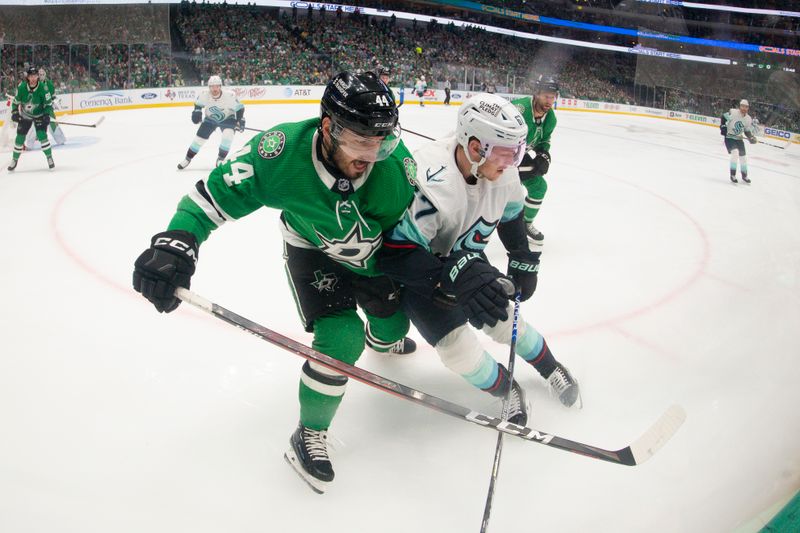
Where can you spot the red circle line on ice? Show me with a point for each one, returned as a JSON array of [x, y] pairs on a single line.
[[610, 322]]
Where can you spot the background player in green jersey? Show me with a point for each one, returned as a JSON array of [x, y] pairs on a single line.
[[340, 181], [537, 110], [31, 106], [55, 129]]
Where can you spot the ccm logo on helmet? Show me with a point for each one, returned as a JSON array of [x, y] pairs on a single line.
[[383, 125]]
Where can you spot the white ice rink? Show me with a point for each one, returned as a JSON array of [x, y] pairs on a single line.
[[661, 282]]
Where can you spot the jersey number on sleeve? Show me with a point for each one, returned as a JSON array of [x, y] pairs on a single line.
[[240, 170]]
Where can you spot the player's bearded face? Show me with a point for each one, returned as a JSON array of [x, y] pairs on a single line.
[[545, 100], [355, 152], [216, 90]]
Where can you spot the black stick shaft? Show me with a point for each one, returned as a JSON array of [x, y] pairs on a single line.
[[638, 452], [487, 509]]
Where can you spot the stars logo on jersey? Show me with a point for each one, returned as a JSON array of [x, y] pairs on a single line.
[[410, 167], [324, 281], [476, 237], [353, 249], [271, 144]]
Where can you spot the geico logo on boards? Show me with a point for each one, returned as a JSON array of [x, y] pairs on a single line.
[[149, 96], [778, 133], [105, 100], [698, 118]]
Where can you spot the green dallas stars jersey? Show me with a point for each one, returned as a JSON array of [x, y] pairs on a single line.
[[538, 133], [280, 168], [33, 102]]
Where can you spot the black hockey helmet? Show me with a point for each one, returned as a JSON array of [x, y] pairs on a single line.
[[361, 103], [545, 83], [32, 70], [383, 71]]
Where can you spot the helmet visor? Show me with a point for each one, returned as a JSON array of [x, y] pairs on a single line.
[[371, 149], [504, 155]]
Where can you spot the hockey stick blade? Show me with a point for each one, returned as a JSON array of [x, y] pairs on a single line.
[[641, 450]]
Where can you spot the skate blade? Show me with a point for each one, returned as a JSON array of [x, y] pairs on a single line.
[[316, 485]]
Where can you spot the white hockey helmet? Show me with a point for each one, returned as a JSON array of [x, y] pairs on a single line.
[[744, 102], [214, 80], [495, 123]]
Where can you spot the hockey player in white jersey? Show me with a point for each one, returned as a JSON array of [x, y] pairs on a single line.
[[215, 108], [419, 88], [467, 186], [736, 124]]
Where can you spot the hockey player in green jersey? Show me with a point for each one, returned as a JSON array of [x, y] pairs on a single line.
[[340, 180], [537, 110], [31, 106], [55, 129]]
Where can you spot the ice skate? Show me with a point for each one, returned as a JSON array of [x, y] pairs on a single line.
[[220, 161], [745, 179], [183, 164], [535, 237], [13, 165], [308, 455], [404, 346], [50, 163], [733, 178], [517, 405], [565, 387]]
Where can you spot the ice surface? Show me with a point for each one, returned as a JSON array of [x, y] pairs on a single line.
[[661, 282]]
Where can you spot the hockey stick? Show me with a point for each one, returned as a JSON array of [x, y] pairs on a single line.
[[784, 147], [487, 510], [637, 453], [99, 121], [419, 134]]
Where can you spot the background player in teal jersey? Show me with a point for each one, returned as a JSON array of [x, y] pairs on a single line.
[[31, 106], [537, 110], [340, 181]]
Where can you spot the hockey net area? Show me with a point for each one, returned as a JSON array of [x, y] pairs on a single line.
[[7, 130]]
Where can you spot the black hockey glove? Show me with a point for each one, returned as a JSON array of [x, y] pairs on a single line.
[[723, 129], [378, 296], [523, 268], [534, 164], [168, 264], [15, 114], [197, 116], [41, 122], [473, 284], [239, 125], [751, 137]]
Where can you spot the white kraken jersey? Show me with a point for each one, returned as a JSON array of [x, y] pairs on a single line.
[[218, 109], [738, 124], [447, 213]]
